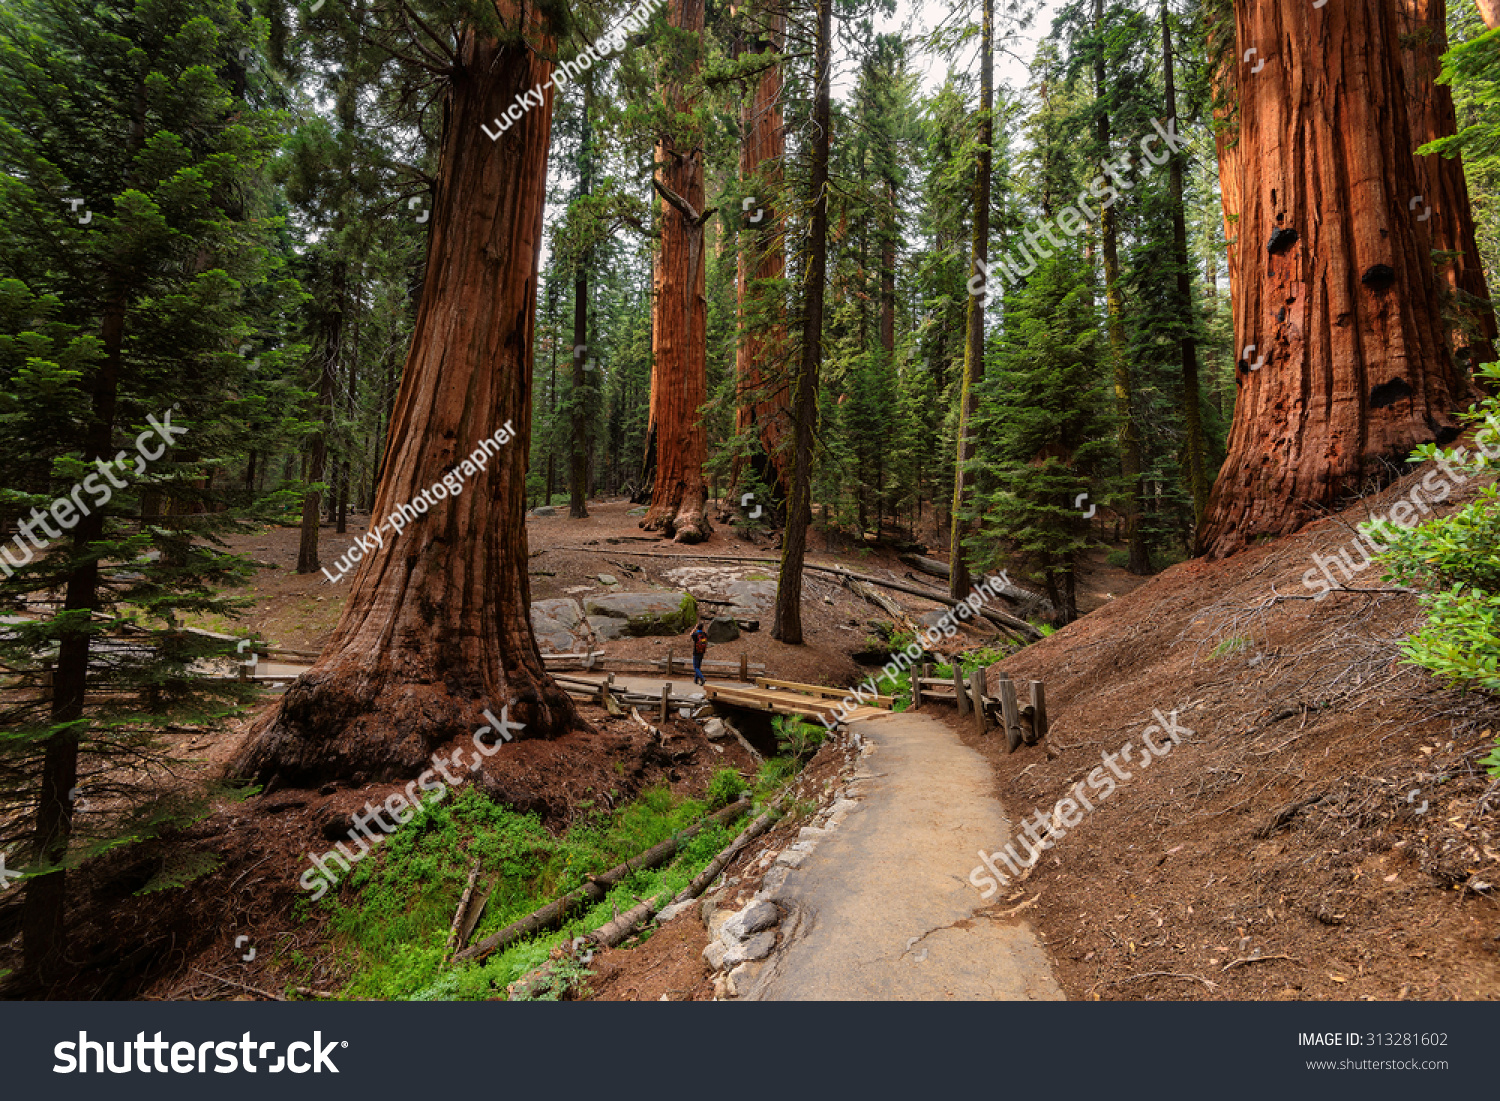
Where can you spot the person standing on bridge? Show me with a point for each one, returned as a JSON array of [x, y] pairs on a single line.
[[700, 648]]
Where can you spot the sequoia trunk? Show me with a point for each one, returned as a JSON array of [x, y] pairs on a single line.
[[437, 627], [1337, 313], [679, 376]]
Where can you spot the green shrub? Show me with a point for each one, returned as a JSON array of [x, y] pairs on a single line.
[[725, 788], [1454, 562]]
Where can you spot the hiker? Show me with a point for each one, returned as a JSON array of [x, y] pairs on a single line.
[[700, 647]]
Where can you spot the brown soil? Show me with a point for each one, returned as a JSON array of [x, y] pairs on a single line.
[[1279, 852]]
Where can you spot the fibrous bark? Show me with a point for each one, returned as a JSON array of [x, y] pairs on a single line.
[[437, 627], [679, 331], [787, 625], [762, 381], [1441, 203], [1337, 313]]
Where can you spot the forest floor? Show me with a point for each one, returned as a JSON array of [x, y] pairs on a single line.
[[1325, 832]]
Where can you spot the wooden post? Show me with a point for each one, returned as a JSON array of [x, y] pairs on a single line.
[[666, 698], [669, 661], [960, 694], [976, 686], [1038, 712], [916, 685], [604, 687], [744, 669], [1011, 714]]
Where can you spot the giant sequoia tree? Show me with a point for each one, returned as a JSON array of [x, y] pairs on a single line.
[[437, 627], [1344, 365], [679, 335]]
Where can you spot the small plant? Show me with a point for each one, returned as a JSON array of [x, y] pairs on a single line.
[[797, 737], [1492, 762], [1232, 646], [725, 788]]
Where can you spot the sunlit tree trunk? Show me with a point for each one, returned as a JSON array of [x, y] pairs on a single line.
[[1337, 319], [437, 626], [679, 376]]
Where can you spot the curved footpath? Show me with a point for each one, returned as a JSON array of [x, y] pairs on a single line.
[[882, 909]]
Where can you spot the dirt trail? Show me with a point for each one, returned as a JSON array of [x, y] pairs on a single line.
[[883, 909]]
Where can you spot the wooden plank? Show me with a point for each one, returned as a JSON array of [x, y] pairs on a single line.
[[959, 693], [976, 694], [744, 669], [666, 697], [1038, 712], [821, 690], [1010, 715]]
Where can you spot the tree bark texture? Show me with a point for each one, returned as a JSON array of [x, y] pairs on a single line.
[[437, 627], [1441, 203], [787, 624], [679, 346], [1337, 314], [761, 357], [964, 524]]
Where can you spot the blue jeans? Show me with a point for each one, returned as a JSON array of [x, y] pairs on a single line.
[[698, 666]]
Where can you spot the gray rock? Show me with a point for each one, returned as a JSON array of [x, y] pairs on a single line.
[[606, 629], [791, 860], [637, 511], [723, 629], [752, 919], [715, 729], [752, 596], [551, 635], [646, 613], [934, 618], [544, 510], [608, 579], [566, 611], [673, 910], [748, 624], [757, 947], [714, 954]]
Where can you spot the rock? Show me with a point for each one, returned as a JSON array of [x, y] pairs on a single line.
[[757, 947], [715, 729], [673, 910], [544, 510], [791, 860], [723, 629], [773, 884], [608, 579], [637, 511], [752, 596], [810, 833], [566, 611], [748, 624], [646, 613], [752, 919], [714, 954], [934, 618], [606, 629]]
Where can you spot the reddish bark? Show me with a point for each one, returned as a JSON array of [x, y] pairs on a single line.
[[762, 350], [1443, 208], [1335, 287], [437, 627], [679, 331]]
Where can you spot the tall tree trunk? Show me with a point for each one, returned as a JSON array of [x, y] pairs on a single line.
[[437, 627], [1489, 11], [679, 378], [1337, 316], [787, 626], [1441, 204], [1192, 400], [959, 581], [1114, 297], [578, 479], [762, 384], [312, 501]]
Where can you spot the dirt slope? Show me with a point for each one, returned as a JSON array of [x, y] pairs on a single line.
[[1327, 808]]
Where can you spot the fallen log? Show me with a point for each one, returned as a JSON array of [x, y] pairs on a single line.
[[461, 912], [613, 932], [595, 890]]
